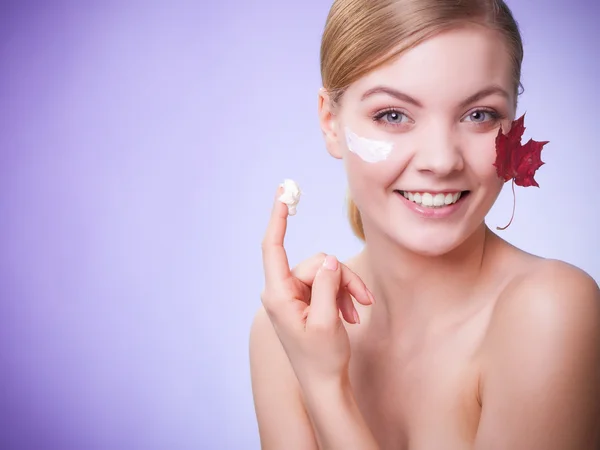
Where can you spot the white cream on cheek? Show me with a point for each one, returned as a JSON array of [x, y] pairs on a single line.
[[368, 150]]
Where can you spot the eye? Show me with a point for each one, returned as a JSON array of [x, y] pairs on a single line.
[[479, 116], [390, 117]]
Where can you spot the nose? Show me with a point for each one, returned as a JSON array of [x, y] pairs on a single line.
[[438, 152]]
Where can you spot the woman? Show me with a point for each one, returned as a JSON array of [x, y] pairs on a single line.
[[451, 338]]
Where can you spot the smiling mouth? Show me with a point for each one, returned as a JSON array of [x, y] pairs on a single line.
[[433, 200]]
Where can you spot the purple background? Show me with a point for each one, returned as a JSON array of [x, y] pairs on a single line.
[[141, 146]]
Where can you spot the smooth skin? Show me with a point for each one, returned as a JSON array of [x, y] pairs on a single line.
[[470, 343], [305, 306]]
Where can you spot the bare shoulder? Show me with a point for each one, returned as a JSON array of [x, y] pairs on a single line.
[[550, 304], [281, 416], [551, 295], [541, 368]]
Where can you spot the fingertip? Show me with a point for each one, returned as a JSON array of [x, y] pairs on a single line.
[[363, 295], [279, 191], [278, 194], [331, 263], [280, 208], [371, 296]]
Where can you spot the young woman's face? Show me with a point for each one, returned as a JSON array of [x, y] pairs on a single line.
[[424, 127]]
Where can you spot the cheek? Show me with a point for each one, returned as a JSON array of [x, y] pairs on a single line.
[[366, 180], [368, 162], [372, 161], [481, 156], [359, 173]]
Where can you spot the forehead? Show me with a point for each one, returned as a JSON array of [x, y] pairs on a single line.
[[448, 66]]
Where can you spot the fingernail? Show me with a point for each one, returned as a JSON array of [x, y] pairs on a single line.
[[356, 318], [330, 262]]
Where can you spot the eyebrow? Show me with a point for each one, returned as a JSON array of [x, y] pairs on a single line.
[[490, 90]]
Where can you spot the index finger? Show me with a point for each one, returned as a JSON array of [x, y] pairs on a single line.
[[275, 261]]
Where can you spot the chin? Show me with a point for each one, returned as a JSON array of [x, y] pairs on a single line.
[[425, 237], [432, 242]]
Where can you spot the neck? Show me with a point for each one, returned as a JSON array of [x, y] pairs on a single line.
[[410, 287]]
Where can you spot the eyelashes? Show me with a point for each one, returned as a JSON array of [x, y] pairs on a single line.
[[379, 116], [398, 117]]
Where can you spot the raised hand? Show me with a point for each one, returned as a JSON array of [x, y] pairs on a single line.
[[304, 304]]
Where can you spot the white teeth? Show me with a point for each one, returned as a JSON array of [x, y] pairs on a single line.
[[432, 200], [427, 199]]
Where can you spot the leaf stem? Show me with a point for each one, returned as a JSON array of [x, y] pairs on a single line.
[[513, 210]]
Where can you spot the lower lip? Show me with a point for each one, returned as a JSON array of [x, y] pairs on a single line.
[[440, 212]]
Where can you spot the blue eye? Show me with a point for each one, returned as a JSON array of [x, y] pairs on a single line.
[[390, 116], [479, 115]]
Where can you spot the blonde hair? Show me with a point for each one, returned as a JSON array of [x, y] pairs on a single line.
[[362, 35]]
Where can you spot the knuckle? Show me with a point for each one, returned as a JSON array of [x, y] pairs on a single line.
[[267, 300], [264, 244], [318, 258], [272, 303], [348, 272], [271, 309], [298, 268]]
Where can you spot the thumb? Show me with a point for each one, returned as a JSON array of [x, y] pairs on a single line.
[[323, 304]]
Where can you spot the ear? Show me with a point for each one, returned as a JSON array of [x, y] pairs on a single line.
[[329, 123]]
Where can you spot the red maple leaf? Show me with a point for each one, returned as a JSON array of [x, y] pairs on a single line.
[[515, 161]]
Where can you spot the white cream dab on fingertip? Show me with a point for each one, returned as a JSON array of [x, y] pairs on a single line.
[[291, 195], [369, 150]]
